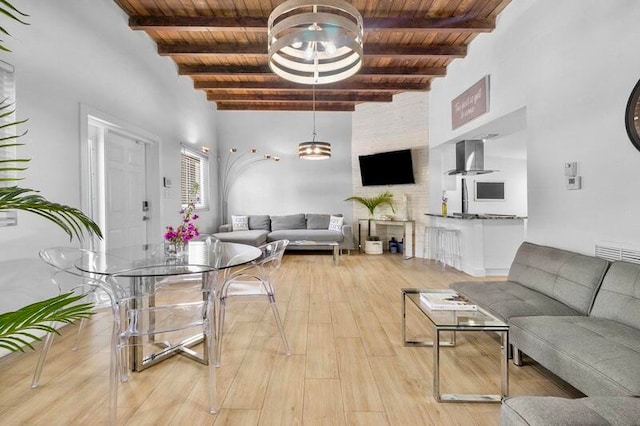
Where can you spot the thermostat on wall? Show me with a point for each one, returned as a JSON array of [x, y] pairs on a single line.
[[166, 182], [571, 169], [574, 182]]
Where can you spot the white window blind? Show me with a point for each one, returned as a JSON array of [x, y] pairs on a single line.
[[8, 97], [194, 169]]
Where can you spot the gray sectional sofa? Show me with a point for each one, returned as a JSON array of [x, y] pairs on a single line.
[[294, 227], [577, 315]]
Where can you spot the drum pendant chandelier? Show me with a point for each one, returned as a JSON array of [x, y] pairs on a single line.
[[314, 150], [315, 42]]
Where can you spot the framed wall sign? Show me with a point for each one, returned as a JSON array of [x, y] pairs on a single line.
[[472, 103]]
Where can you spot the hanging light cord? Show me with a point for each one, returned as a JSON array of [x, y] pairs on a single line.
[[313, 91]]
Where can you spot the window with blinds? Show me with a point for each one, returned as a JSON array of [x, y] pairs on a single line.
[[194, 180]]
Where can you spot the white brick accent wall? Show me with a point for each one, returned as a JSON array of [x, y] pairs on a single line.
[[380, 127]]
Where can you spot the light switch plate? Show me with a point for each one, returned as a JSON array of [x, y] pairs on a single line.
[[166, 182]]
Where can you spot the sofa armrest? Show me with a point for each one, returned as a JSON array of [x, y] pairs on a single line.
[[225, 228], [347, 242]]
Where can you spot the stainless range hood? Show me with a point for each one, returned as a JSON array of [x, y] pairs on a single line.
[[469, 158]]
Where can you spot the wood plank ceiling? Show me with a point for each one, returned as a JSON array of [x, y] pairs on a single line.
[[222, 46]]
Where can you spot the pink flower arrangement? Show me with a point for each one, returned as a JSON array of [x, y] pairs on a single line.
[[186, 230]]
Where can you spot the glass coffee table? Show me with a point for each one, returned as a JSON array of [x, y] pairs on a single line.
[[455, 321], [319, 245]]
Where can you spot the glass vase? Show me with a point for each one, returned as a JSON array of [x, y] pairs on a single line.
[[174, 249]]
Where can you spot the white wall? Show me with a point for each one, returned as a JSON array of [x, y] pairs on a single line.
[[75, 52], [291, 185], [572, 64], [380, 127]]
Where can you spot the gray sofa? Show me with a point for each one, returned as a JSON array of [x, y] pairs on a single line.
[[598, 354], [542, 281], [294, 227], [577, 315]]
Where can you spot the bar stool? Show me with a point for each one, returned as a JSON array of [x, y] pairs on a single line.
[[450, 248], [432, 243]]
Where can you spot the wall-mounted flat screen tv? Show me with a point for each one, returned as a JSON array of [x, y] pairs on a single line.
[[387, 168]]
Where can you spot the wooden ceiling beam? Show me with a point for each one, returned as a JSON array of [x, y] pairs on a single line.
[[300, 97], [259, 24], [264, 70], [386, 50], [284, 106], [340, 86]]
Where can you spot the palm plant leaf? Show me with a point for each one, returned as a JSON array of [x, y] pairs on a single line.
[[70, 219], [17, 327], [371, 203], [10, 11]]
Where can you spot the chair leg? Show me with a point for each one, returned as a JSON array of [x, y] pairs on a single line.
[[210, 333], [218, 334], [48, 341], [276, 314], [80, 328], [115, 371]]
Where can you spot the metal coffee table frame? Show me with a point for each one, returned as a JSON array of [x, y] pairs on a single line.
[[413, 294], [318, 244]]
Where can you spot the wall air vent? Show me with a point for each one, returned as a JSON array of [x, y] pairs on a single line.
[[614, 251]]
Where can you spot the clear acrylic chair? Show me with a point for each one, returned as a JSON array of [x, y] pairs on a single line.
[[153, 306], [254, 279], [66, 277]]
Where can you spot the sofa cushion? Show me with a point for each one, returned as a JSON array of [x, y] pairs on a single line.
[[260, 222], [507, 299], [568, 277], [292, 221], [323, 235], [240, 223], [619, 295], [554, 411], [596, 355], [253, 238], [318, 221]]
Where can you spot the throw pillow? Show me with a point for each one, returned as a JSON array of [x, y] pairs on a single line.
[[240, 223], [335, 223]]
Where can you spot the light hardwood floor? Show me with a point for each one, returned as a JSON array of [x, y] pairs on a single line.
[[347, 367]]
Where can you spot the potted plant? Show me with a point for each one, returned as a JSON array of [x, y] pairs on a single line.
[[371, 203], [16, 328]]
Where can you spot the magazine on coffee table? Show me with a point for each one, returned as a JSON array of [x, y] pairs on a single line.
[[447, 301]]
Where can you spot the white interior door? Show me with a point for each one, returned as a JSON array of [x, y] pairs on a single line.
[[125, 195]]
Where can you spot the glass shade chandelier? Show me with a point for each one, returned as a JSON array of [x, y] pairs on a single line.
[[314, 150], [315, 42]]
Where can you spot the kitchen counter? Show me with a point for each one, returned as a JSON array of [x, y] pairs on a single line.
[[471, 216], [488, 241]]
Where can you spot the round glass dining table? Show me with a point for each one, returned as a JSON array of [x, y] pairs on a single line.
[[151, 260], [127, 272]]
